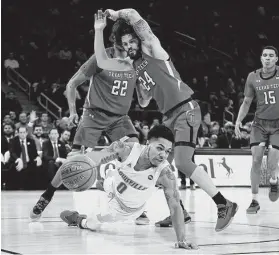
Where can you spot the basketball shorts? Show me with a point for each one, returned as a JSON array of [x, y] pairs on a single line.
[[184, 121], [265, 133], [115, 208], [95, 122]]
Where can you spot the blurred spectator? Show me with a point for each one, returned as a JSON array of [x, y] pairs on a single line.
[[65, 138], [227, 140], [7, 119], [12, 63], [228, 114], [23, 121], [65, 54], [145, 130], [155, 122], [46, 124], [11, 103], [25, 161], [37, 136], [80, 56], [54, 153], [7, 136], [13, 116]]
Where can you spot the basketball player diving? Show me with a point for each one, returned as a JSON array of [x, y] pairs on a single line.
[[138, 169], [161, 81], [264, 85], [112, 83]]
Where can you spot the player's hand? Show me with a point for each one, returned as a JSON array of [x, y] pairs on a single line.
[[237, 130], [100, 20], [73, 120], [186, 245], [111, 14]]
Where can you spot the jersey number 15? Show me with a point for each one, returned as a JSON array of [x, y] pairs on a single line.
[[269, 97]]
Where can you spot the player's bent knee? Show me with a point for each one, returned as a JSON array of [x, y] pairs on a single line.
[[187, 167]]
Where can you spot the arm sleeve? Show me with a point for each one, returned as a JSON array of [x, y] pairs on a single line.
[[249, 90]]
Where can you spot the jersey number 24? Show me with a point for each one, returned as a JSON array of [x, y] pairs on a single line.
[[146, 81]]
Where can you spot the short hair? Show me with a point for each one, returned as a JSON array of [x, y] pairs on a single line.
[[37, 125], [161, 131], [26, 128], [54, 128], [11, 124], [68, 130], [270, 48], [119, 29]]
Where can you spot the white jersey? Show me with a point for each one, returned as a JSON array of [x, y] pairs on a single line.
[[131, 188]]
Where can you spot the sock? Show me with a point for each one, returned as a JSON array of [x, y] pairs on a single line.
[[219, 199], [48, 194], [182, 206], [200, 177], [255, 197]]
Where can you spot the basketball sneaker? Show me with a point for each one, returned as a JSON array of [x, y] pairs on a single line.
[[274, 190], [253, 208], [72, 218], [37, 210], [225, 215], [142, 219], [167, 222]]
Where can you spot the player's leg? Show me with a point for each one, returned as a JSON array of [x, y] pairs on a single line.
[[186, 128], [258, 140], [255, 176], [272, 164], [88, 134], [167, 222]]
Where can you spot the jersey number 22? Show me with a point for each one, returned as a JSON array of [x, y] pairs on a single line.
[[119, 88]]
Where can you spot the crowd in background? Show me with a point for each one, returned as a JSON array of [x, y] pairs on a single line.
[[213, 47]]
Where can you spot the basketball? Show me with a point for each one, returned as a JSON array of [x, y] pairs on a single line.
[[78, 173]]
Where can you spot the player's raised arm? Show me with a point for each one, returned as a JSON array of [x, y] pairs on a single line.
[[168, 181], [103, 60], [244, 108], [143, 94], [150, 43]]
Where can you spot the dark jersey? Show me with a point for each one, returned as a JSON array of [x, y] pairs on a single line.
[[109, 90], [266, 90], [163, 82]]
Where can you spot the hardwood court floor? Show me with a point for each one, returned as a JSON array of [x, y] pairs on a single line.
[[248, 234]]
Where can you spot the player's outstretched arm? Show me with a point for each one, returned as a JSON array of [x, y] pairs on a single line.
[[244, 108], [150, 43], [143, 95], [103, 60], [79, 78], [167, 180]]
